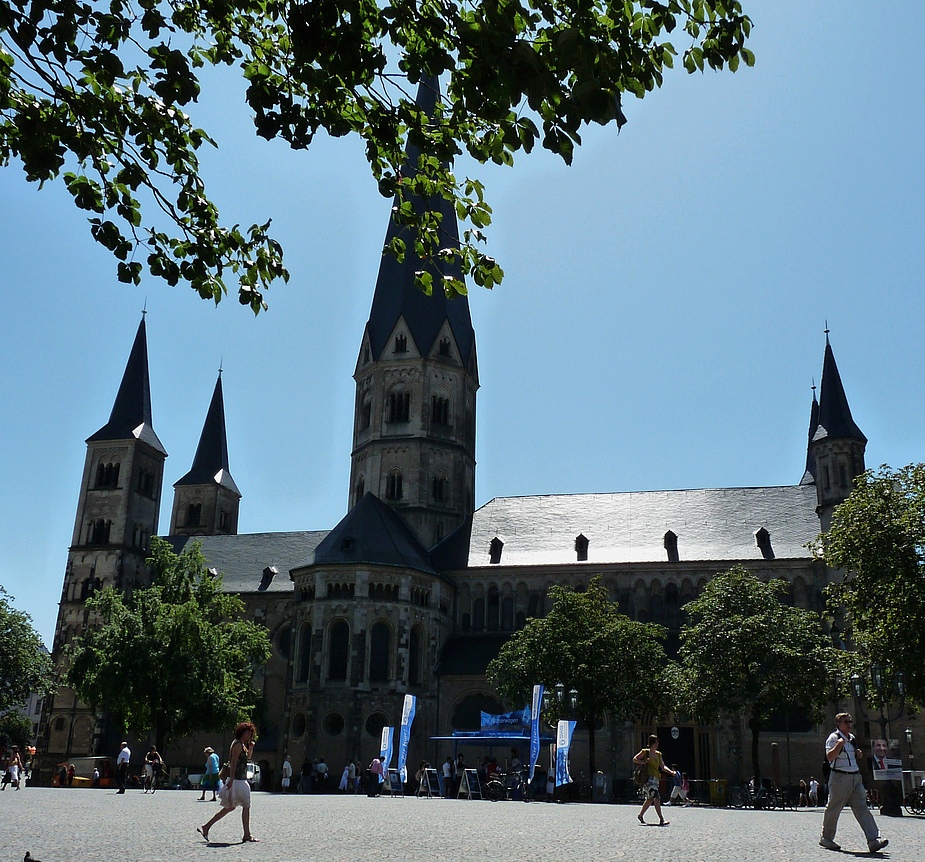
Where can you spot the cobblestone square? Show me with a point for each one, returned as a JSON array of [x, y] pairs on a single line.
[[71, 825]]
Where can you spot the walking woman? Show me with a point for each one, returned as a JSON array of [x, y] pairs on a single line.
[[651, 757], [237, 792]]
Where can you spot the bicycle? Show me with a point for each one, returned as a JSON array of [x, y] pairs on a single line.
[[914, 802], [764, 798]]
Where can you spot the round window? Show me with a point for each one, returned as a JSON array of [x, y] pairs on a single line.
[[333, 724], [375, 723]]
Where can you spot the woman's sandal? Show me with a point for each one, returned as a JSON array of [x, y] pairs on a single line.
[[249, 838], [203, 832]]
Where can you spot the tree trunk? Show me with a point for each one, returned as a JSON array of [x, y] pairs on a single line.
[[754, 724], [591, 721]]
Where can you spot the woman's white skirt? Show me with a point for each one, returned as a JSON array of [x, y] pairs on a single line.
[[235, 794]]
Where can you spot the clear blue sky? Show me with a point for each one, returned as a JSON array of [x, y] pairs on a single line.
[[659, 325]]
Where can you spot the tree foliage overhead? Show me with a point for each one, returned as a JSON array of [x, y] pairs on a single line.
[[25, 666], [878, 538], [584, 642], [96, 93], [171, 659], [744, 652]]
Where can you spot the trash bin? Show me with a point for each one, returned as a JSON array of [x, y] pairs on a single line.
[[718, 791], [601, 788]]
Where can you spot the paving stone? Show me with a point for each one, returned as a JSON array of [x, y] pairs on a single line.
[[77, 825]]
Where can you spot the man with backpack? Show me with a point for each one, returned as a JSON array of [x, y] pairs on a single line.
[[846, 787]]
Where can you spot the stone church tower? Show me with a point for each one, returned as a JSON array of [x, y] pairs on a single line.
[[416, 382], [117, 513]]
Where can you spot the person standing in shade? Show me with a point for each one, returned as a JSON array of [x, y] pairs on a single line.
[[846, 787], [813, 791], [237, 791], [287, 774], [210, 779], [651, 757], [122, 761]]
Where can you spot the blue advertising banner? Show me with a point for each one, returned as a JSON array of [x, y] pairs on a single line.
[[536, 707], [506, 720], [404, 734], [385, 750], [563, 743]]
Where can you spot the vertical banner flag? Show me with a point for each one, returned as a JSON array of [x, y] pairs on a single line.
[[404, 734], [563, 742], [536, 707], [385, 750]]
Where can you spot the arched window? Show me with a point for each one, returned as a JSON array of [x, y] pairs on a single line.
[[380, 647], [672, 607], [439, 488], [415, 656], [366, 412], [361, 489], [478, 615], [440, 410], [193, 514], [399, 405], [393, 485], [494, 608], [305, 653], [401, 343], [507, 614], [338, 650]]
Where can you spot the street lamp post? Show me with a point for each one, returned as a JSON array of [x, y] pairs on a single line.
[[890, 791]]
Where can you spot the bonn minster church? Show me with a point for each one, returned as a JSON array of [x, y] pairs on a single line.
[[416, 589]]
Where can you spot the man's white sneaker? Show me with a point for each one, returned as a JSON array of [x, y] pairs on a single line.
[[879, 844], [829, 844]]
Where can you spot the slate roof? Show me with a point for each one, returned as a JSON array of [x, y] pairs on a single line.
[[131, 411], [373, 533], [242, 559], [396, 295], [210, 465], [711, 524]]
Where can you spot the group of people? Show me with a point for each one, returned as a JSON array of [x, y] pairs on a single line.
[[809, 793], [154, 768]]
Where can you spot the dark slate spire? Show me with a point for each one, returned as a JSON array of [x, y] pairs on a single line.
[[211, 461], [396, 294], [809, 475], [834, 422], [131, 412]]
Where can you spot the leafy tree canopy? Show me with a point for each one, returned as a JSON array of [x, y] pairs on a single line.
[[95, 93], [743, 651], [878, 538], [584, 642], [171, 659], [15, 729], [25, 666]]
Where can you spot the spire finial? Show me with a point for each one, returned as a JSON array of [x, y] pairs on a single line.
[[221, 363], [813, 387], [826, 330]]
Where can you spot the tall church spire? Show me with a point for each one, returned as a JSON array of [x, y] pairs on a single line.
[[131, 412], [809, 474], [417, 377], [837, 445], [206, 499], [396, 295]]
